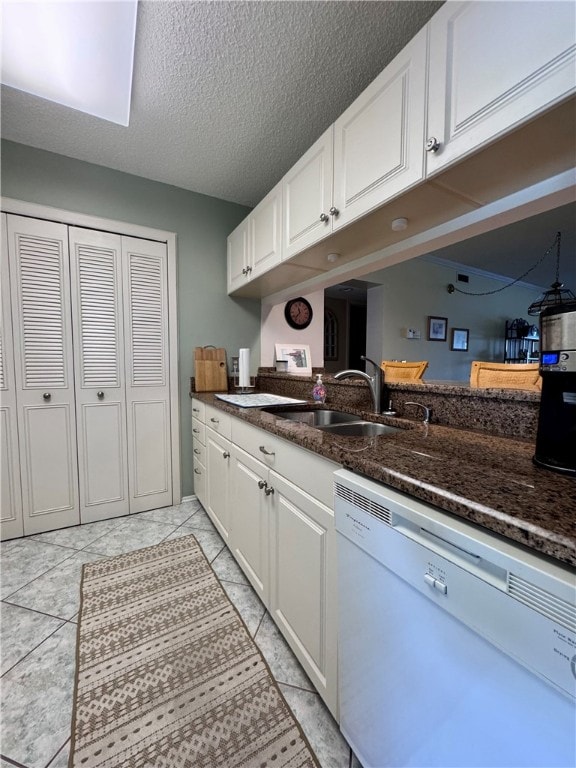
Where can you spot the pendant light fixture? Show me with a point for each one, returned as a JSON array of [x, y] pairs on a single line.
[[556, 294]]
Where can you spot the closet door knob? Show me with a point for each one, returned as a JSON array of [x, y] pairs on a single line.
[[262, 484], [432, 145], [225, 455], [47, 396], [100, 395], [333, 211], [324, 217], [268, 491]]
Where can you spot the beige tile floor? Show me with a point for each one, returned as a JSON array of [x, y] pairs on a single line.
[[40, 584]]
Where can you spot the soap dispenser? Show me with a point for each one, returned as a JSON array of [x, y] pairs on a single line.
[[319, 390]]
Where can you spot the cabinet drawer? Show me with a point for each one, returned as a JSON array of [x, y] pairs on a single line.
[[257, 442], [311, 473], [218, 421], [198, 410], [198, 431]]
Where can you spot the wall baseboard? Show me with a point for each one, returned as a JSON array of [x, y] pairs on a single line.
[[188, 498]]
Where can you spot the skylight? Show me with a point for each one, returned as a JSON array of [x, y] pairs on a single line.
[[78, 53]]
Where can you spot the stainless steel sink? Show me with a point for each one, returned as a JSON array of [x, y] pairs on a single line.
[[360, 429], [317, 418]]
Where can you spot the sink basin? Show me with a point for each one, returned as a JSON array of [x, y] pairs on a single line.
[[360, 429], [319, 418]]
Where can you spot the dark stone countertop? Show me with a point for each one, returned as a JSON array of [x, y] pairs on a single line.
[[489, 481]]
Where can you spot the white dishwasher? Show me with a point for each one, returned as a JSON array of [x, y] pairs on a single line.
[[456, 647]]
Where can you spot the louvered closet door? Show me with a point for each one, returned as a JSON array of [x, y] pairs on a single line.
[[147, 373], [11, 524], [40, 281], [96, 274]]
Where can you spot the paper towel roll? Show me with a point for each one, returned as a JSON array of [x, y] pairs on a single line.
[[244, 368]]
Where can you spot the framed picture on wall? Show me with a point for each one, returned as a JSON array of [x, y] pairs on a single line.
[[298, 357], [459, 339], [437, 328]]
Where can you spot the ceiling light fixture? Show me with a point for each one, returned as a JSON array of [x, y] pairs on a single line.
[[399, 225], [79, 54], [557, 294], [332, 257]]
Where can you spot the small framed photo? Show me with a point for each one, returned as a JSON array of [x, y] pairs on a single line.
[[437, 328], [298, 357], [459, 339]]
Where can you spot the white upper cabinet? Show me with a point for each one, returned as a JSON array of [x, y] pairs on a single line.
[[238, 256], [255, 245], [307, 193], [378, 140], [265, 233], [494, 66]]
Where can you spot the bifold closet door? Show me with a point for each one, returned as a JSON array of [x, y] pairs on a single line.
[[96, 280], [40, 294], [11, 524], [145, 275]]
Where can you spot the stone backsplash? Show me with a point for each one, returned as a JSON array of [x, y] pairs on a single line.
[[503, 412]]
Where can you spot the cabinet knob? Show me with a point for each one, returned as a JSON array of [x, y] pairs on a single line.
[[432, 145], [268, 491], [324, 217], [47, 396], [196, 451], [214, 421], [264, 451], [225, 455], [248, 270], [197, 471], [244, 271], [262, 484], [100, 395], [333, 211]]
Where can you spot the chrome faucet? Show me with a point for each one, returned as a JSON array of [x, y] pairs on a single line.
[[374, 382], [427, 411]]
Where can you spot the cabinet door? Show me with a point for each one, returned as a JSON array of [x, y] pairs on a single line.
[[218, 451], [40, 278], [200, 477], [379, 139], [95, 268], [250, 518], [265, 233], [303, 582], [11, 524], [493, 66], [238, 257], [307, 195], [147, 373]]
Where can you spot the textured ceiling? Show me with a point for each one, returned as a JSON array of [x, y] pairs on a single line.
[[228, 95]]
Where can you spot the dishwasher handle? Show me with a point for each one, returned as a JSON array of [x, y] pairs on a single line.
[[458, 554]]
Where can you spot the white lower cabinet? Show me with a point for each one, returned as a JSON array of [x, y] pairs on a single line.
[[303, 576], [218, 482], [271, 501], [251, 520]]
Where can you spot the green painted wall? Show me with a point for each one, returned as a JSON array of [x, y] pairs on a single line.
[[206, 315]]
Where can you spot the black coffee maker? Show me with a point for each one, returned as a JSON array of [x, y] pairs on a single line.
[[556, 438]]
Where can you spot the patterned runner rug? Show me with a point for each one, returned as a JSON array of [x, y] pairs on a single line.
[[167, 674]]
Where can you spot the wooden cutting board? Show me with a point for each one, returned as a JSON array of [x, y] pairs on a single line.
[[210, 369]]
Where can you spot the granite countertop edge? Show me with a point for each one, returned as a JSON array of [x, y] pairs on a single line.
[[488, 481]]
